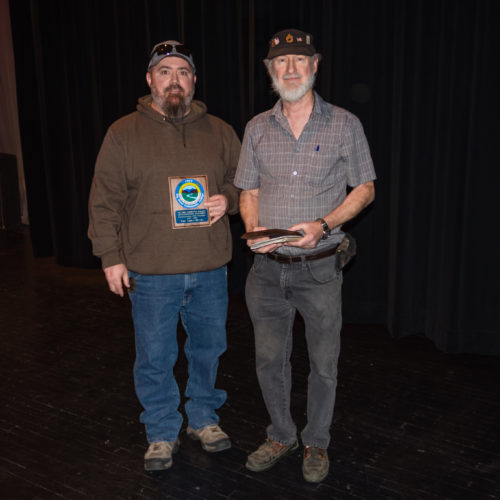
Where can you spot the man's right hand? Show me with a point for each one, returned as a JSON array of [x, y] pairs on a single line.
[[265, 249], [117, 277]]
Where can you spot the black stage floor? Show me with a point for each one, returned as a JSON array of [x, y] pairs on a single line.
[[410, 421]]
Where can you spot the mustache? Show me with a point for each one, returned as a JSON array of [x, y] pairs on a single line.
[[288, 76], [174, 86]]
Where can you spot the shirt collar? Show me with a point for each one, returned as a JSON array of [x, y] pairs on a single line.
[[320, 108]]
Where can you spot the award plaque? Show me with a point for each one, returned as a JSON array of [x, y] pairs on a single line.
[[187, 201]]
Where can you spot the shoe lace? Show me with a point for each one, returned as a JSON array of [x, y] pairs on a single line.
[[274, 446], [159, 445], [212, 430], [312, 451]]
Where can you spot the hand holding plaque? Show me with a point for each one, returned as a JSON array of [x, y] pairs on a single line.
[[188, 196], [217, 205]]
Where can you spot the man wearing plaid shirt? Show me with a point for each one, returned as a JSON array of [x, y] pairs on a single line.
[[296, 162]]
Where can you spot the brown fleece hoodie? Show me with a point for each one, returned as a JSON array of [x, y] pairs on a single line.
[[129, 205]]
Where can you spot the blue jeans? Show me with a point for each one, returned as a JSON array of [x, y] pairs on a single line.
[[201, 301], [274, 292]]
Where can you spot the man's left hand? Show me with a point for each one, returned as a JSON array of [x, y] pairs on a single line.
[[313, 231], [217, 205]]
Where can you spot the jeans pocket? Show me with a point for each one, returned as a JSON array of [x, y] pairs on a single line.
[[258, 262], [324, 270], [133, 274], [133, 279]]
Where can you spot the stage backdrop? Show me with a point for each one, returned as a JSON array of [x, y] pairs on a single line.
[[419, 74]]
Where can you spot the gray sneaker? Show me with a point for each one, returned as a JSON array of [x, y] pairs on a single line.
[[211, 437], [159, 455], [315, 464], [267, 454]]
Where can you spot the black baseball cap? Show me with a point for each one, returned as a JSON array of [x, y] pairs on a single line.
[[291, 41]]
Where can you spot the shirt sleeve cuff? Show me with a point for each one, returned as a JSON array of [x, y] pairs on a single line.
[[111, 259]]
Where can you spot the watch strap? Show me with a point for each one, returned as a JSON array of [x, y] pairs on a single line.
[[326, 229]]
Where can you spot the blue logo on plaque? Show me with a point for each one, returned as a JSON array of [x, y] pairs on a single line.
[[189, 193]]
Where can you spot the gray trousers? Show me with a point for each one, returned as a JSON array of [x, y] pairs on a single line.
[[274, 292]]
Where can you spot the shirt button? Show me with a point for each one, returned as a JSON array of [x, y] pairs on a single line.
[[292, 196], [295, 172]]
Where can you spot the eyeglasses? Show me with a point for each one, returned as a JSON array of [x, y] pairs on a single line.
[[168, 49]]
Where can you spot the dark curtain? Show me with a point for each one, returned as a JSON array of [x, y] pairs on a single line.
[[419, 74]]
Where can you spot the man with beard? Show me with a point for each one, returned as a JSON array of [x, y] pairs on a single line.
[[169, 270], [296, 161]]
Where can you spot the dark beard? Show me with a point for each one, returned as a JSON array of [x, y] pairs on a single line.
[[174, 105]]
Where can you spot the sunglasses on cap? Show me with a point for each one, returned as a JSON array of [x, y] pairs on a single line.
[[166, 49], [169, 48]]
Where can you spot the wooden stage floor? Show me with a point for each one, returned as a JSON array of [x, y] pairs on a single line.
[[410, 422]]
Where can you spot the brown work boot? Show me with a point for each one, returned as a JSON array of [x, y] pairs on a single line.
[[267, 454], [315, 464]]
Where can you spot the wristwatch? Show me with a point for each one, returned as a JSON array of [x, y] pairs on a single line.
[[326, 229]]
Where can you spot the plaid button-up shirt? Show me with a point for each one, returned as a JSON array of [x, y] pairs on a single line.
[[301, 180]]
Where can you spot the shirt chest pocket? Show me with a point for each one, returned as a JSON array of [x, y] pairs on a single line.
[[324, 165]]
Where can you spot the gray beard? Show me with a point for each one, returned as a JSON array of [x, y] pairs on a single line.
[[293, 95]]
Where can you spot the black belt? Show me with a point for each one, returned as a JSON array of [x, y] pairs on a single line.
[[288, 259]]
